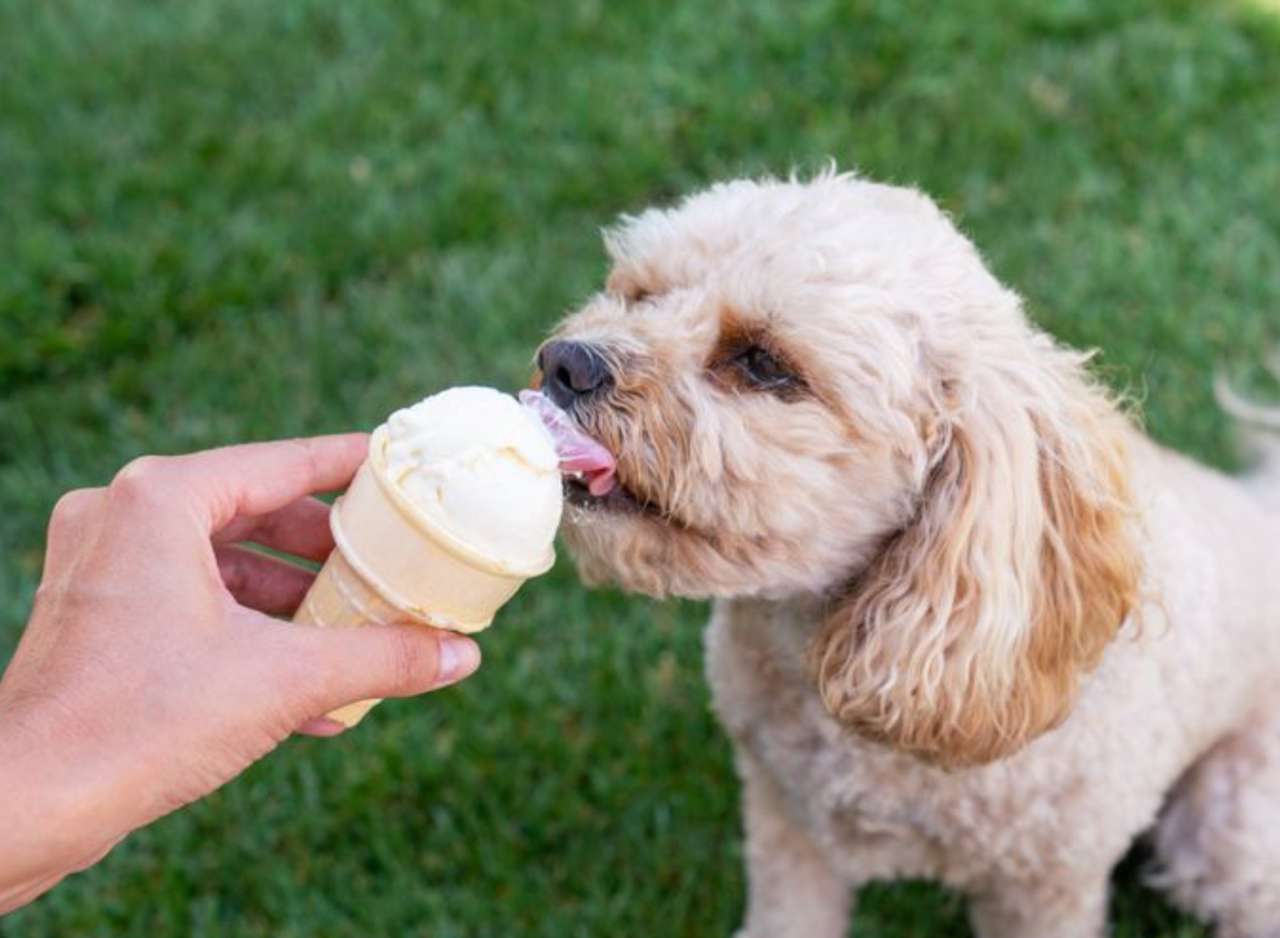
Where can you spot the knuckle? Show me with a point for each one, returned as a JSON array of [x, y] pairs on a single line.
[[72, 508], [311, 455], [141, 477], [414, 661]]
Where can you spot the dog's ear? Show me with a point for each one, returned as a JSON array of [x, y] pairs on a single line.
[[967, 635]]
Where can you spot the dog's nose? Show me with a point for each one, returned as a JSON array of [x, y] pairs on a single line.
[[572, 370]]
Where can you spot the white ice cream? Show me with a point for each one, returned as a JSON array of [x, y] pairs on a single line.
[[482, 467]]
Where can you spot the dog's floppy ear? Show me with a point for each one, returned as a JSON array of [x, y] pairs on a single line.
[[967, 635]]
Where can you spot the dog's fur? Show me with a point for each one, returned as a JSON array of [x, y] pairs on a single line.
[[970, 624]]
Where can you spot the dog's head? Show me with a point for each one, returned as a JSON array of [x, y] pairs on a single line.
[[817, 387]]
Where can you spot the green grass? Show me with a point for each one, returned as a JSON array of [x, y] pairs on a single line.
[[226, 219]]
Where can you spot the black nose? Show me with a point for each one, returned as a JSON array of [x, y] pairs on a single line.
[[572, 370]]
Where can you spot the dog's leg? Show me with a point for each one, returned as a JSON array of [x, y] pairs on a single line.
[[1060, 906], [793, 892], [1219, 837]]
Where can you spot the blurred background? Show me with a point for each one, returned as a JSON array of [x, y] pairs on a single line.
[[224, 220]]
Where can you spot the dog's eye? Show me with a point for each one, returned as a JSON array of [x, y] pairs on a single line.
[[762, 369], [639, 295]]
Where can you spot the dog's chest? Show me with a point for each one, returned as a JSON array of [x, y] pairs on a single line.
[[769, 705], [845, 791]]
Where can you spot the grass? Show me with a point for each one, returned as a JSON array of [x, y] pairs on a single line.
[[227, 220]]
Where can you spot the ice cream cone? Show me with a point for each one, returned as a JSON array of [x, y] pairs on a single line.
[[393, 564]]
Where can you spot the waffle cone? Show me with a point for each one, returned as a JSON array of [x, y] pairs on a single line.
[[394, 565], [341, 598]]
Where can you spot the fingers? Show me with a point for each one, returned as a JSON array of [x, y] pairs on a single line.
[[339, 666], [300, 528], [260, 582], [253, 479]]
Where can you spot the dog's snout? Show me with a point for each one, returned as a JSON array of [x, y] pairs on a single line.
[[572, 370]]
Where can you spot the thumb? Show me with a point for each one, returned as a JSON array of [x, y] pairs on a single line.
[[383, 661]]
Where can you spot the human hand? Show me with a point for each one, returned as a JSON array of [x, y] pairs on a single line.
[[152, 672]]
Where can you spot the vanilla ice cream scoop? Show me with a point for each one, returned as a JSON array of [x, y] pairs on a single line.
[[480, 466]]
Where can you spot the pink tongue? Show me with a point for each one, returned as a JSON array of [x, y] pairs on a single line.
[[577, 451]]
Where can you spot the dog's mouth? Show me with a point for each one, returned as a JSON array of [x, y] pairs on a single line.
[[590, 470], [619, 498], [577, 491]]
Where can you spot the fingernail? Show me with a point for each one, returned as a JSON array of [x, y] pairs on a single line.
[[321, 726], [459, 656]]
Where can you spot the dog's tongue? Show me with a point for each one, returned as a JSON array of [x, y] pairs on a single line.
[[577, 451]]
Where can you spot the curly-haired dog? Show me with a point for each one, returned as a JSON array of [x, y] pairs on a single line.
[[970, 624]]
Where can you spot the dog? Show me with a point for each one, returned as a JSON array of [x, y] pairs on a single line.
[[969, 623]]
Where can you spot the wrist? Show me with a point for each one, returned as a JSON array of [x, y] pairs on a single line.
[[60, 812]]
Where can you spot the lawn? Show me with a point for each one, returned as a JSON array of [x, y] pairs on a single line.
[[224, 220]]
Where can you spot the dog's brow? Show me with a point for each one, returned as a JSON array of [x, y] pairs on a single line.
[[629, 285], [736, 330]]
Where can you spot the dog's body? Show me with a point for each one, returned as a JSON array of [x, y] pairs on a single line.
[[970, 625], [1033, 837]]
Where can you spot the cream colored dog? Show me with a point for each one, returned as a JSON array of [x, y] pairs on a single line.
[[970, 624]]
